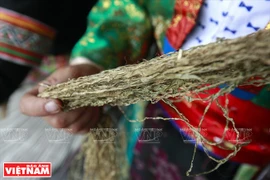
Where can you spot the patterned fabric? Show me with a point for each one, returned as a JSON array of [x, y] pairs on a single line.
[[120, 31], [23, 39], [183, 21], [228, 19], [111, 46]]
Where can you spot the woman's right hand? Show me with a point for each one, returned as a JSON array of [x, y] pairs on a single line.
[[75, 121]]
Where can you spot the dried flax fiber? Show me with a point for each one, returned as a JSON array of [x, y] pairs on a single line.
[[179, 75]]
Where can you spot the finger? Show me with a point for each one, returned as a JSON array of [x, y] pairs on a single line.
[[57, 77], [31, 105], [64, 119], [66, 73], [69, 72]]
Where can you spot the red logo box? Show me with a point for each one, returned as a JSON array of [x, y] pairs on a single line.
[[27, 169]]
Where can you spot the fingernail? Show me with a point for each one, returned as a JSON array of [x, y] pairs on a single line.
[[52, 107]]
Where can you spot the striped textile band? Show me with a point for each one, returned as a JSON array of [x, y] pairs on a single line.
[[26, 22], [23, 40]]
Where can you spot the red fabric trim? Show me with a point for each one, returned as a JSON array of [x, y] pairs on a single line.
[[183, 21]]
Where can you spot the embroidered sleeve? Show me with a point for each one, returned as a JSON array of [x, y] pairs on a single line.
[[119, 32]]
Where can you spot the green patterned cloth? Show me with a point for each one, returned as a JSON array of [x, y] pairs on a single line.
[[121, 31]]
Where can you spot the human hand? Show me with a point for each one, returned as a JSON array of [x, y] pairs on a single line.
[[75, 121]]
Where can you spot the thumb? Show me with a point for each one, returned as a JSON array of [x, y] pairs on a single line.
[[32, 105]]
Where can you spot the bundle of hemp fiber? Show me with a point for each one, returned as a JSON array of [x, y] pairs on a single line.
[[178, 74]]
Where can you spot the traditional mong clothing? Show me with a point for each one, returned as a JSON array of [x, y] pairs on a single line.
[[121, 32]]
